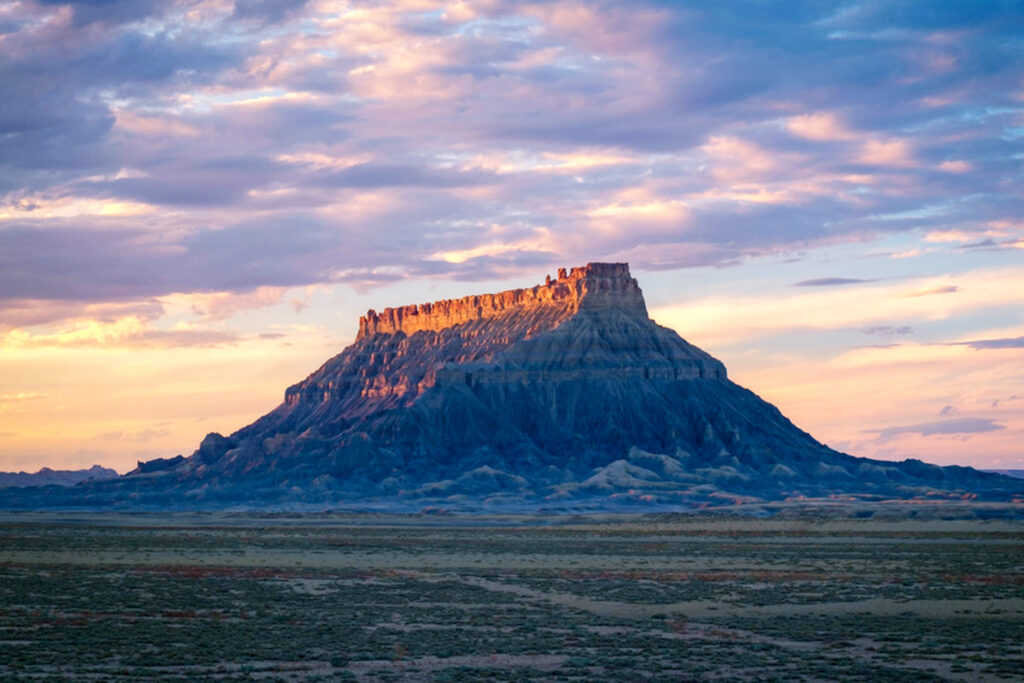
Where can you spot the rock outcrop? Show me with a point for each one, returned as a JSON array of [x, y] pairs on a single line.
[[593, 287], [560, 394], [545, 333]]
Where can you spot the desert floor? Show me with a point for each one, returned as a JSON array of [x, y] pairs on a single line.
[[365, 597]]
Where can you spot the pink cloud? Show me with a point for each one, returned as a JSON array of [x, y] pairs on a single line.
[[736, 159], [957, 166], [820, 127], [886, 152]]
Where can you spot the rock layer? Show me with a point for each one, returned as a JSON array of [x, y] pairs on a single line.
[[594, 286]]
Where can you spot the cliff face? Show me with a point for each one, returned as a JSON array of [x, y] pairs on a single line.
[[590, 321], [565, 391], [594, 286]]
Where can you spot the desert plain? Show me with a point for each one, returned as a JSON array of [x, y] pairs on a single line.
[[368, 597]]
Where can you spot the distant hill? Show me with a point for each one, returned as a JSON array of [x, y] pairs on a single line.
[[561, 395], [48, 477], [1018, 474]]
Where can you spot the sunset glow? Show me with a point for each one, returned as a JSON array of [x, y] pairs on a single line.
[[198, 199]]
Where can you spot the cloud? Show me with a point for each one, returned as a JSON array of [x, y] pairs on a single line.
[[730, 319], [1006, 343], [886, 153], [820, 126], [371, 175], [22, 396], [129, 332], [931, 291], [57, 78], [965, 425], [21, 313], [266, 11], [990, 244], [222, 305], [774, 135], [141, 436], [829, 282], [122, 263], [888, 330], [956, 166], [85, 12]]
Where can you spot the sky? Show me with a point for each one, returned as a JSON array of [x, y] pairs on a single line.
[[198, 198]]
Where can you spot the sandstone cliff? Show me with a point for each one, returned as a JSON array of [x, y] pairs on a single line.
[[589, 322], [594, 286]]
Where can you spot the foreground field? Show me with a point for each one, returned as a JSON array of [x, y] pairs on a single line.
[[364, 598]]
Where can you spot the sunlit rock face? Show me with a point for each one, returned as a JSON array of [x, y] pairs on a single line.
[[589, 324], [561, 394]]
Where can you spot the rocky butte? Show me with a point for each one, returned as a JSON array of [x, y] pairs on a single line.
[[561, 395]]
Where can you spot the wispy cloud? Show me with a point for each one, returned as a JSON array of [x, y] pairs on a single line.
[[1006, 343], [829, 282], [722, 319], [888, 330], [130, 331], [931, 291], [964, 425], [22, 396]]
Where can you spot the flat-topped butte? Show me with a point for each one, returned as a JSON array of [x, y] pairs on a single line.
[[564, 395], [594, 285]]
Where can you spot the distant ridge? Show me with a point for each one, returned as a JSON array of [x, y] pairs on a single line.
[[1017, 474], [558, 396], [48, 477]]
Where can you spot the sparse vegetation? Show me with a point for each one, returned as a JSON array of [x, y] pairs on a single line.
[[332, 598]]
